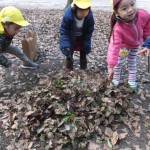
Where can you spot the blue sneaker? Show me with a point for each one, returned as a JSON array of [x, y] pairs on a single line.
[[31, 65]]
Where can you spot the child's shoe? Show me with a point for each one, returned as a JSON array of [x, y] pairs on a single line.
[[133, 86], [69, 64], [31, 65], [115, 83]]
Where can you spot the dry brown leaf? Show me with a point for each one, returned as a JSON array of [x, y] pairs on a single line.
[[137, 147], [122, 135], [93, 146], [50, 144], [114, 138], [108, 132], [30, 145], [148, 135], [143, 97], [29, 113], [14, 126], [147, 147]]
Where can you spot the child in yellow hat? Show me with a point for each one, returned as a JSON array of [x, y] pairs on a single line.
[[76, 31], [11, 21]]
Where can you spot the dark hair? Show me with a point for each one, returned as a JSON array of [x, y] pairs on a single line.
[[75, 8], [113, 19], [8, 23]]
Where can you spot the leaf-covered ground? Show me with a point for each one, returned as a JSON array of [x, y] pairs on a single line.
[[57, 110]]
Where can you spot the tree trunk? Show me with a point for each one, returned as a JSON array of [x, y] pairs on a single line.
[[68, 3]]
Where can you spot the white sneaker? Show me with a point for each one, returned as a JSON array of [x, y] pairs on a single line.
[[133, 86], [115, 83]]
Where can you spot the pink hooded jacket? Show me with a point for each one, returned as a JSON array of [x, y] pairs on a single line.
[[129, 35]]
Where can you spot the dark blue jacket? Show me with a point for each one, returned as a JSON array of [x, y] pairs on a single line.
[[147, 43], [68, 31]]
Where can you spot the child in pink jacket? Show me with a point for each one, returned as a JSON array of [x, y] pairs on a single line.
[[129, 28]]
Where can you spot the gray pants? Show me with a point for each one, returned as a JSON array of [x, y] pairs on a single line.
[[18, 53]]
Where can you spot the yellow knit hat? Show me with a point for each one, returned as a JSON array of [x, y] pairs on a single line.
[[83, 4], [11, 14]]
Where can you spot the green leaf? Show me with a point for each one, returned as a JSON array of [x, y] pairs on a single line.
[[90, 124], [148, 125], [66, 118], [107, 114], [43, 137]]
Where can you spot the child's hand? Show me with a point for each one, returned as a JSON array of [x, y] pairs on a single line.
[[110, 73], [143, 52], [66, 51], [14, 67]]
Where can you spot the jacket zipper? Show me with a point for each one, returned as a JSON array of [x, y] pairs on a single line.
[[136, 30]]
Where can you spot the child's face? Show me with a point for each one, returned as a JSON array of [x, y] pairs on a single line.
[[127, 9], [12, 29], [82, 13]]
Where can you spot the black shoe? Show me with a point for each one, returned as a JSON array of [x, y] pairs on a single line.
[[83, 64], [69, 64]]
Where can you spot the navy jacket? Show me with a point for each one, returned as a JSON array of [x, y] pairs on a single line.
[[68, 31], [147, 42]]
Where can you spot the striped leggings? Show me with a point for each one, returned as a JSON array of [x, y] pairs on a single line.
[[132, 66]]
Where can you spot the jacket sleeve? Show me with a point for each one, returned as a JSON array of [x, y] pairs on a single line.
[[88, 33], [65, 32], [113, 49], [147, 43], [4, 61]]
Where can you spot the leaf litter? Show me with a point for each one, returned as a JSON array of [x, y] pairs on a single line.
[[76, 110]]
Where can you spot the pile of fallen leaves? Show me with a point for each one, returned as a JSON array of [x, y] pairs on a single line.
[[68, 111]]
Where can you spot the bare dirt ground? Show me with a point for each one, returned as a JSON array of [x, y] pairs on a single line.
[[46, 23]]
